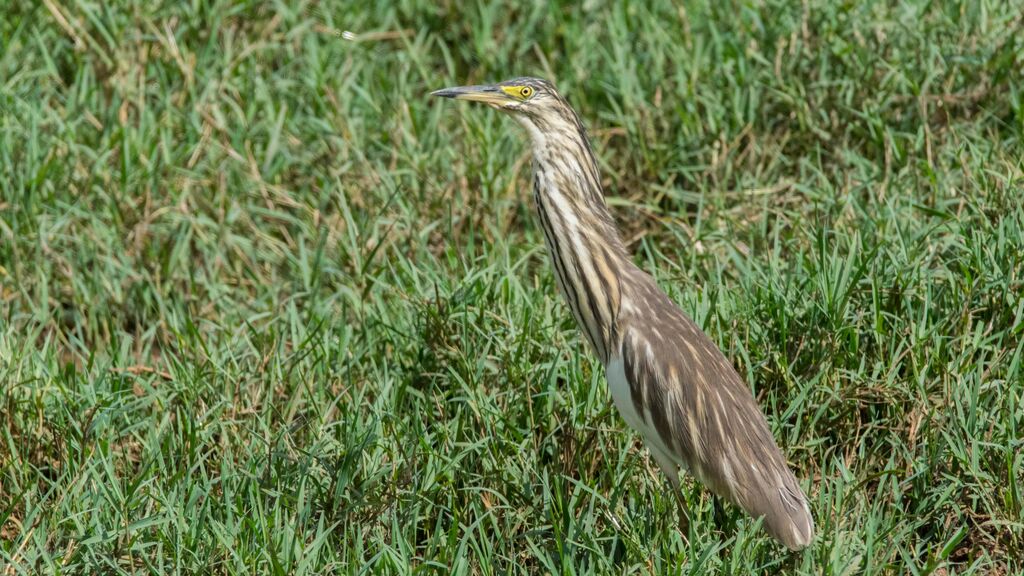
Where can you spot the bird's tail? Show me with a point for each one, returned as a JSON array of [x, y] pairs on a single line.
[[788, 516], [764, 486]]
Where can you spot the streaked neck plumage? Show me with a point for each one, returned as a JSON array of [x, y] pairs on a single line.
[[586, 251]]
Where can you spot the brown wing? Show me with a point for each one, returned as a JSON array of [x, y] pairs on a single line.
[[704, 414]]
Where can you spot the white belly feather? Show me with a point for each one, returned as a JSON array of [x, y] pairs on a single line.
[[623, 399]]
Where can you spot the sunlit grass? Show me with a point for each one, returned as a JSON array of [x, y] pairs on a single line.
[[267, 308]]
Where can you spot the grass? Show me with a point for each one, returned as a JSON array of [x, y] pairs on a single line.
[[265, 308]]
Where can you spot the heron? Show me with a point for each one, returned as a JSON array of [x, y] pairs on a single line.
[[666, 377]]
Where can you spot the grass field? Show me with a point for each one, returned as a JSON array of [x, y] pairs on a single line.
[[266, 308]]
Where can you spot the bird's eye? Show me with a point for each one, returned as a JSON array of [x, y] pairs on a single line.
[[526, 92]]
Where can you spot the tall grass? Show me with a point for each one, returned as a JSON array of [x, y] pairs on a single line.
[[267, 308]]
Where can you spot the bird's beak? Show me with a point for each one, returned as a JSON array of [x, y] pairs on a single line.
[[487, 94]]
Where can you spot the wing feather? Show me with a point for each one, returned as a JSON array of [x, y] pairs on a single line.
[[707, 419]]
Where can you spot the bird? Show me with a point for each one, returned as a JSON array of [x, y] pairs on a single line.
[[667, 378]]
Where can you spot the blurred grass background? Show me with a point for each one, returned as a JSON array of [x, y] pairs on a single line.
[[265, 308]]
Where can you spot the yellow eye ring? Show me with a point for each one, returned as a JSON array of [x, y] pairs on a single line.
[[526, 92]]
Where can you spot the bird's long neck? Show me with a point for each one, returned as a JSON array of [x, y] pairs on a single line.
[[588, 256]]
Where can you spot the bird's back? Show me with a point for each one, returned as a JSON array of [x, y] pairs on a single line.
[[697, 409]]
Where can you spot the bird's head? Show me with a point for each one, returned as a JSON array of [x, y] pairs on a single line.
[[532, 101], [519, 95]]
